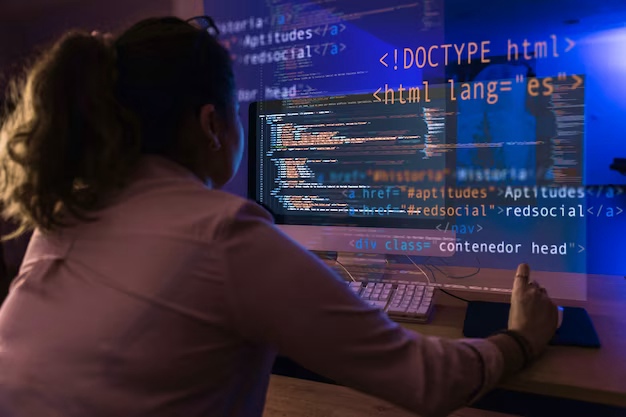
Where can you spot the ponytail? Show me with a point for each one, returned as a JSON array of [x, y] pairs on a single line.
[[88, 110], [68, 143]]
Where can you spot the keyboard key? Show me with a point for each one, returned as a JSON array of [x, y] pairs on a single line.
[[379, 304], [422, 310], [396, 310], [408, 301]]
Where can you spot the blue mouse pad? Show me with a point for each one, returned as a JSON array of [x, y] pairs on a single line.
[[485, 318]]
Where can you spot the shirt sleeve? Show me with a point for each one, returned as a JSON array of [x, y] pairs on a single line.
[[284, 297]]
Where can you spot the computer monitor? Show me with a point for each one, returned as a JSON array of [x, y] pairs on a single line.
[[340, 173], [379, 173]]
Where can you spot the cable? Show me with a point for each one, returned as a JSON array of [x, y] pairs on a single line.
[[431, 271], [426, 275], [459, 277], [455, 296], [441, 289], [448, 276], [344, 268]]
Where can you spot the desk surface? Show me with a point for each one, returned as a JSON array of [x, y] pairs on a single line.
[[593, 375], [301, 398]]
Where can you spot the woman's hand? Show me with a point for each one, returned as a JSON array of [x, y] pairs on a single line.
[[532, 313]]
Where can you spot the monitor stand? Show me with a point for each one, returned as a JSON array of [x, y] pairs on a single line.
[[485, 318]]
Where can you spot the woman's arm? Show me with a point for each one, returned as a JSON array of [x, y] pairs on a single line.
[[285, 297]]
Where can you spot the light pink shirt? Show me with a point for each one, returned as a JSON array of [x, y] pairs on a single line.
[[175, 302]]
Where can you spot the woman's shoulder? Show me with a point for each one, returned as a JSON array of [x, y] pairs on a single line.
[[163, 184], [233, 206], [188, 205], [212, 215], [167, 200]]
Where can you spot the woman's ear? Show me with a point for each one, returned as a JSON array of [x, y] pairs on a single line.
[[209, 125]]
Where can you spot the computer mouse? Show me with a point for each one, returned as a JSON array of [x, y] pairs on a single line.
[[560, 313]]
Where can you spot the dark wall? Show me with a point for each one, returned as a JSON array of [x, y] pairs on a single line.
[[27, 28]]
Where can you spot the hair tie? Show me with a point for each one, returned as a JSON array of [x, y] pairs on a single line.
[[107, 39]]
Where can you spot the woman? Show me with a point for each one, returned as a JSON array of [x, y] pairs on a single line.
[[146, 291]]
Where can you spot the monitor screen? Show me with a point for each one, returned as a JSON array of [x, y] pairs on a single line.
[[423, 171], [351, 169], [520, 106]]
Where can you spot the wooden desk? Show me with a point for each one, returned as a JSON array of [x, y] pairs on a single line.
[[592, 375], [291, 397]]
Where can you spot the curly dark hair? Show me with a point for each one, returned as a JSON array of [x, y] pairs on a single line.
[[89, 108]]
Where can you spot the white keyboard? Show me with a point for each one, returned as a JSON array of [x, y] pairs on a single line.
[[402, 302]]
